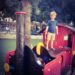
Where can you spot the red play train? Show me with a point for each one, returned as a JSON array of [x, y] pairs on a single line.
[[42, 62]]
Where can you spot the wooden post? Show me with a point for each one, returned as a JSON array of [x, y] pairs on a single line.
[[27, 7], [23, 31], [20, 34]]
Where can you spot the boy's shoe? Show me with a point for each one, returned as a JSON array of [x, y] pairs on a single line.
[[47, 48], [53, 49]]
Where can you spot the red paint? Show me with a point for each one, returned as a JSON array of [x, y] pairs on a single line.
[[21, 12], [73, 41], [12, 52], [61, 44], [53, 67]]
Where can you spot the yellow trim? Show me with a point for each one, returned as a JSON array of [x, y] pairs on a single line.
[[38, 48], [6, 67]]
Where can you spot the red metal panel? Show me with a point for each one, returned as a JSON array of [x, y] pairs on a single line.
[[53, 67], [73, 46], [68, 58], [60, 42], [64, 59], [12, 52]]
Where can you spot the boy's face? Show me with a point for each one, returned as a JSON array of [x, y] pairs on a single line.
[[53, 16]]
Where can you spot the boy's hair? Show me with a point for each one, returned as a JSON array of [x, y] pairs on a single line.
[[53, 13]]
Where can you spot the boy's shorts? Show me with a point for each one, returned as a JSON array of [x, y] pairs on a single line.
[[51, 36]]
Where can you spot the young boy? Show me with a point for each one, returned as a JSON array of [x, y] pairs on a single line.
[[52, 28]]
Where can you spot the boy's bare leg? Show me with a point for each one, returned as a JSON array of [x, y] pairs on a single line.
[[52, 47], [47, 45], [52, 41], [52, 44]]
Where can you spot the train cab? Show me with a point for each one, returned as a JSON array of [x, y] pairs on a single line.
[[64, 45]]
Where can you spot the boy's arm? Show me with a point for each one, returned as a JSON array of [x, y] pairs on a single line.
[[56, 29], [46, 30]]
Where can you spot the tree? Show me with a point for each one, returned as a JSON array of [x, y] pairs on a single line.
[[23, 35]]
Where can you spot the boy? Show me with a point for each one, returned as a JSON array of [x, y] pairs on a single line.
[[52, 28]]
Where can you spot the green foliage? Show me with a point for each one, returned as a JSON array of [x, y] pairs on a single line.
[[64, 8]]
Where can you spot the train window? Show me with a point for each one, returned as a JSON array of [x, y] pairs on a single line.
[[70, 40], [66, 37]]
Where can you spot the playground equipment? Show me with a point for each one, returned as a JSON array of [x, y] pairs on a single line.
[[39, 61]]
